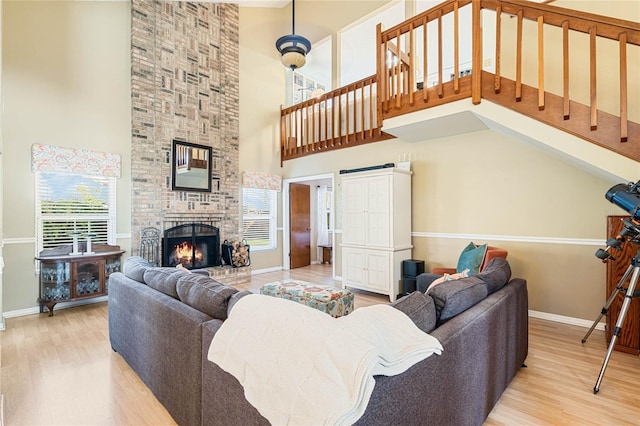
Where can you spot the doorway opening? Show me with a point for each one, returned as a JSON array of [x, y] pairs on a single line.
[[321, 220]]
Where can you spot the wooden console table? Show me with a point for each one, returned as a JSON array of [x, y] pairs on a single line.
[[65, 277]]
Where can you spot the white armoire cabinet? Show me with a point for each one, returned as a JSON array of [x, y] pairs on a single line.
[[376, 229]]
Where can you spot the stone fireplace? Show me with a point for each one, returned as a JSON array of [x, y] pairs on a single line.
[[192, 245], [185, 86]]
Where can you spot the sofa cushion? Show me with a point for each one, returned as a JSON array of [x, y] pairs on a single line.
[[471, 258], [234, 299], [205, 294], [134, 268], [164, 279], [495, 274], [420, 308], [454, 297]]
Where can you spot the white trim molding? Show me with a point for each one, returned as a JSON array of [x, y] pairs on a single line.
[[513, 238], [61, 305], [19, 240], [565, 320], [266, 270]]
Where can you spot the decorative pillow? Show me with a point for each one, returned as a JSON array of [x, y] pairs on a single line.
[[164, 279], [471, 258], [205, 294], [454, 297], [134, 268], [495, 274], [420, 308]]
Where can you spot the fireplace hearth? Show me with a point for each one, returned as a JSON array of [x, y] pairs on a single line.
[[192, 245]]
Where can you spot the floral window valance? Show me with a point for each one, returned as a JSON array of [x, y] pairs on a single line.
[[262, 181], [49, 158]]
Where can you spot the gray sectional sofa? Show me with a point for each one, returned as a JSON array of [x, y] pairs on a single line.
[[162, 321]]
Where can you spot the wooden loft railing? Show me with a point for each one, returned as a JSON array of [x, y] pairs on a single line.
[[553, 25], [344, 117], [407, 53]]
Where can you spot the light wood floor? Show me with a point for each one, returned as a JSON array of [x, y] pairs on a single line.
[[61, 370]]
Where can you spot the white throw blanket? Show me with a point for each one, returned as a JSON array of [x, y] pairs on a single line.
[[300, 366]]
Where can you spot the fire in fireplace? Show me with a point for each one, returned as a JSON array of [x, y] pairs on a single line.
[[193, 245]]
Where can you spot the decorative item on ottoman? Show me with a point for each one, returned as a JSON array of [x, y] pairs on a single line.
[[336, 302]]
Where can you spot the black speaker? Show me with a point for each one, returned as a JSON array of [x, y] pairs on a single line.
[[411, 268]]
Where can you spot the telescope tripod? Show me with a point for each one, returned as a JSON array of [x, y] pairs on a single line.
[[630, 293]]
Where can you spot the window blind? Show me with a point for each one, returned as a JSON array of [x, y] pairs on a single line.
[[72, 203], [259, 218]]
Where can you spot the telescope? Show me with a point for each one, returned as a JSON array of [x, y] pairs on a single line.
[[627, 197]]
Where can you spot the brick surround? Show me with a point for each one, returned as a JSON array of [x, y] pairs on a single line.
[[185, 86]]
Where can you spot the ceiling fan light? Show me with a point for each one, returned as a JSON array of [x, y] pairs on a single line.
[[293, 60]]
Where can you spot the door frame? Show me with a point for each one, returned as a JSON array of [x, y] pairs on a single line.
[[286, 220]]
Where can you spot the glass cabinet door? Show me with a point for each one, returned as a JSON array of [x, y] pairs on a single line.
[[54, 281], [112, 264], [88, 278]]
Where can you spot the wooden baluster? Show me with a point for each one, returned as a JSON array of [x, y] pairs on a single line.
[[371, 105], [497, 81], [312, 127], [540, 63], [326, 121], [283, 135], [398, 70], [378, 116], [456, 53], [392, 80], [411, 82], [292, 130], [355, 115], [362, 111], [440, 85], [565, 70], [347, 118], [305, 137], [624, 125], [592, 74], [333, 120], [476, 68], [381, 67], [425, 70], [519, 59]]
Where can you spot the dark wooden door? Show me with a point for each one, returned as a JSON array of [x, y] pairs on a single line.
[[629, 340], [300, 221]]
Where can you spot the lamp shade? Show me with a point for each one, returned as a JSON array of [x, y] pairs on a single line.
[[293, 49]]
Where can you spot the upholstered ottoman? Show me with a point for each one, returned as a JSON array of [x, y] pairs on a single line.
[[336, 302]]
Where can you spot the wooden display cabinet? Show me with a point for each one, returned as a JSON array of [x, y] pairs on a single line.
[[65, 277], [629, 339]]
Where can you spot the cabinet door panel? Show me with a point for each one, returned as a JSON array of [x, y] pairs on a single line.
[[353, 266], [353, 211], [378, 271], [377, 210]]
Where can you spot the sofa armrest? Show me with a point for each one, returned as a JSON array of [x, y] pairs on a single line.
[[442, 271]]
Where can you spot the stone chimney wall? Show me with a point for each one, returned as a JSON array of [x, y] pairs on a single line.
[[184, 86]]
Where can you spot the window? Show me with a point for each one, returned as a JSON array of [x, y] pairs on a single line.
[[67, 203], [259, 218]]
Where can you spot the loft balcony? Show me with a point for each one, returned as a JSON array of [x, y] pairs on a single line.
[[541, 61]]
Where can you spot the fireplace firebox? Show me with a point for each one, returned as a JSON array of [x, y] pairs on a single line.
[[193, 245]]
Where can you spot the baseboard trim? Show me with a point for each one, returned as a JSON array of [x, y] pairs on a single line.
[[565, 320], [61, 305], [266, 270]]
